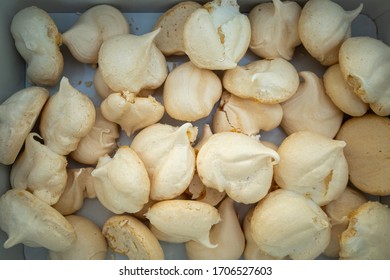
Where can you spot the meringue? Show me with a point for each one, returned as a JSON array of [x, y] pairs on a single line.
[[94, 26], [282, 214], [121, 183], [67, 117], [309, 107], [267, 81], [323, 26], [186, 219], [226, 31], [18, 115], [238, 164], [274, 29], [365, 65], [130, 112], [245, 115], [313, 165], [342, 94], [168, 156], [39, 170], [194, 99], [38, 41], [130, 62]]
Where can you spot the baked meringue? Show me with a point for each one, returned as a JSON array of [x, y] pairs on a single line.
[[365, 65], [195, 98], [267, 81], [274, 29], [39, 170], [184, 219], [313, 165], [130, 112], [121, 183], [67, 117], [342, 94], [247, 116], [289, 224], [130, 62], [238, 164], [323, 26], [217, 35], [94, 26], [309, 107], [168, 156]]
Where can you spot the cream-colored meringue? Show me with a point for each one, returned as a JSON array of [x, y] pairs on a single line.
[[311, 109], [227, 234], [365, 65], [238, 164], [338, 211], [323, 26], [39, 170], [168, 157], [367, 236], [217, 35], [205, 135], [128, 236], [247, 116], [102, 89], [29, 220], [342, 94], [121, 183], [67, 117], [79, 185], [267, 81], [193, 99], [18, 115], [89, 245], [313, 165], [200, 192], [274, 29], [38, 41], [94, 26], [170, 38], [101, 140], [289, 224], [131, 62], [130, 112], [186, 219]]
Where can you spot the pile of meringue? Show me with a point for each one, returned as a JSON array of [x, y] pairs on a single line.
[[181, 183]]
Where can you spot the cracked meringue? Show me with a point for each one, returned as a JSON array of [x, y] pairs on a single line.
[[18, 115], [132, 113], [238, 164], [67, 117], [323, 26], [274, 29], [267, 81], [168, 156], [38, 41], [101, 140], [39, 170], [194, 99], [247, 116], [184, 219], [49, 229], [367, 236], [365, 65], [342, 94], [313, 165], [309, 107], [226, 31], [121, 183], [131, 63], [94, 26], [287, 223], [368, 152]]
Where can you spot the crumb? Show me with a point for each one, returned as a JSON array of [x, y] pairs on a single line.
[[88, 83]]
